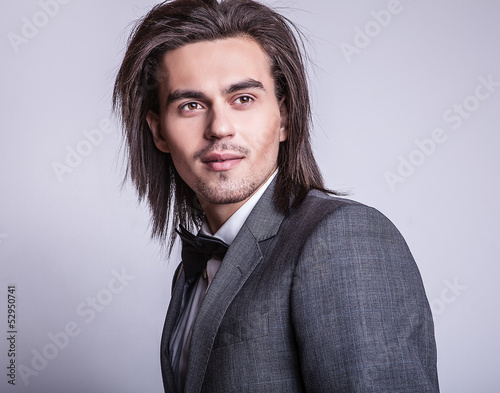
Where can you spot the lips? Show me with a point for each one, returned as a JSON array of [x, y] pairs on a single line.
[[221, 161]]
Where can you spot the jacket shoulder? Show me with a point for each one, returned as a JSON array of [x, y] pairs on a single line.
[[352, 212]]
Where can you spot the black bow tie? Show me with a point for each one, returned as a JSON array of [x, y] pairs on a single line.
[[197, 250]]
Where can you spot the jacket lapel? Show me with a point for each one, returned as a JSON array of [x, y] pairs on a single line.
[[170, 321], [242, 257]]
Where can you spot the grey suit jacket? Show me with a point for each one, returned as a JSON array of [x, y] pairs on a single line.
[[326, 299]]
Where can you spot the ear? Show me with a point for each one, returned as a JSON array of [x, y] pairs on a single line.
[[154, 125], [283, 120]]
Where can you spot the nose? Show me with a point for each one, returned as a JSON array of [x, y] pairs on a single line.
[[220, 124]]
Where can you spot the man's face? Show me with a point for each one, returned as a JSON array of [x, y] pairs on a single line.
[[219, 118]]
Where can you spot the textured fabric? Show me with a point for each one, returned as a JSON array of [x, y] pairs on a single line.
[[339, 307], [180, 338]]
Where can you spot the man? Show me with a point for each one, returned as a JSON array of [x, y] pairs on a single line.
[[314, 293]]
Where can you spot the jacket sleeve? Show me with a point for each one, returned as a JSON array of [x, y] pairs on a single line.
[[359, 310]]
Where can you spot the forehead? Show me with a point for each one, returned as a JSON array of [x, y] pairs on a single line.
[[216, 64]]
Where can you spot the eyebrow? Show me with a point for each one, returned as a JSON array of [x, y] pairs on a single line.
[[182, 94], [244, 85]]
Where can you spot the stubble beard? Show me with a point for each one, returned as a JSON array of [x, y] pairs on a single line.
[[227, 190]]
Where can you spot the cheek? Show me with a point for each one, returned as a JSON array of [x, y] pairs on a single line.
[[177, 139], [183, 168], [267, 133], [268, 148], [180, 150], [181, 158]]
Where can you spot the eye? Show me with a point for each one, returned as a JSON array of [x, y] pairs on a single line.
[[191, 106], [243, 100]]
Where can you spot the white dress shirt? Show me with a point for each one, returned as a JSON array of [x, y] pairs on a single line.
[[181, 336]]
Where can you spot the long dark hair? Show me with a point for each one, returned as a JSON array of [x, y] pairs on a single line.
[[173, 24]]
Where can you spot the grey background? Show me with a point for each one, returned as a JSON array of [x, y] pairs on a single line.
[[62, 237]]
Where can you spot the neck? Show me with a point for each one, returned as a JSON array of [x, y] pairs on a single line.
[[217, 215]]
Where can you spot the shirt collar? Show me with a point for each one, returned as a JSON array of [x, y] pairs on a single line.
[[228, 231]]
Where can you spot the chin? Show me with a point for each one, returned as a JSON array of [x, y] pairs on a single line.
[[226, 193]]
